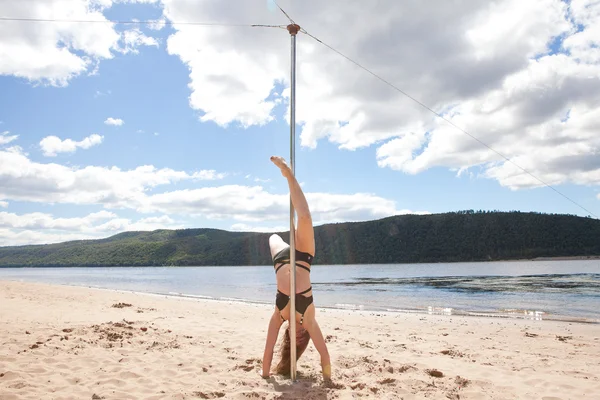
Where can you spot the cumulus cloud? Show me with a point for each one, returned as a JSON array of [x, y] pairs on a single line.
[[52, 145], [253, 228], [114, 121], [540, 118], [523, 77], [257, 179], [513, 74], [39, 220], [12, 237], [22, 179], [54, 53], [42, 228], [232, 72], [255, 204], [136, 1], [16, 150], [132, 39], [139, 189], [4, 204], [5, 138], [208, 175], [157, 25]]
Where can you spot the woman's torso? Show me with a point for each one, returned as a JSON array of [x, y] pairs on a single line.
[[302, 279], [283, 271]]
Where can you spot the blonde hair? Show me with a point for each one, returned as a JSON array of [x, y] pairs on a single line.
[[302, 340]]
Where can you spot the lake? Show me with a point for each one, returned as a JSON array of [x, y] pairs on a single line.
[[567, 290]]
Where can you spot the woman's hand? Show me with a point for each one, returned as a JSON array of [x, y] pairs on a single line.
[[265, 376]]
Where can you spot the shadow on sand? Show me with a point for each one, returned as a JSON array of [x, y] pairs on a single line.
[[305, 387]]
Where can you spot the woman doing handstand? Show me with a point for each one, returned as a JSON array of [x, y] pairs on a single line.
[[306, 324]]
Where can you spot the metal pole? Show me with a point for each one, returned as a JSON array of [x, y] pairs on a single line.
[[293, 30]]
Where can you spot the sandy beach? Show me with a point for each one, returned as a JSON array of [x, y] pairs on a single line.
[[62, 342]]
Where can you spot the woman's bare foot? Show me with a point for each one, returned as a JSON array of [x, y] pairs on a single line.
[[280, 162]]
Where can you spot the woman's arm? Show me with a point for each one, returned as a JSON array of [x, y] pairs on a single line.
[[311, 325], [274, 325]]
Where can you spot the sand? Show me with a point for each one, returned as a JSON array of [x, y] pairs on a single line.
[[62, 342]]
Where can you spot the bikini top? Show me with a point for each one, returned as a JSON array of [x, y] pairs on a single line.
[[283, 257]]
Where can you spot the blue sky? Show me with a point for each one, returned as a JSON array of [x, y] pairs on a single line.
[[189, 145]]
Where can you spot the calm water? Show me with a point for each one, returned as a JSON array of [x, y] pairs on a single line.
[[523, 289]]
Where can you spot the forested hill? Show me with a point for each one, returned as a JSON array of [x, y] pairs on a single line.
[[449, 237]]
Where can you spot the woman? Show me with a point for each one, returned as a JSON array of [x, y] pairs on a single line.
[[306, 324]]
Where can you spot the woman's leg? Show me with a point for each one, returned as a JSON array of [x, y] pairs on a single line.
[[276, 244], [305, 236]]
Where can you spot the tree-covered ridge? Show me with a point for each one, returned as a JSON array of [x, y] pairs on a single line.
[[448, 237]]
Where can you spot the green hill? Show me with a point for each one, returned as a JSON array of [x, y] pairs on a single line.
[[448, 237]]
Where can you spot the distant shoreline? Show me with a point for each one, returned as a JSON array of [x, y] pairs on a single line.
[[566, 258], [557, 258], [454, 237]]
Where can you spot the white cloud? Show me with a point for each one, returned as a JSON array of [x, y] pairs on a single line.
[[41, 228], [254, 204], [237, 202], [4, 204], [48, 52], [114, 121], [52, 145], [6, 139], [330, 208], [12, 237], [542, 118], [145, 224], [583, 44], [487, 66], [100, 93], [257, 179], [157, 25], [39, 220], [139, 189], [208, 175], [137, 1], [22, 179], [54, 53], [133, 39], [251, 228], [232, 71], [153, 223], [16, 150]]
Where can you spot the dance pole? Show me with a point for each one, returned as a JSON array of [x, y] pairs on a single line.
[[293, 30]]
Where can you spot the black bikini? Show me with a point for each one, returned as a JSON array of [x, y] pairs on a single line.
[[281, 300]]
